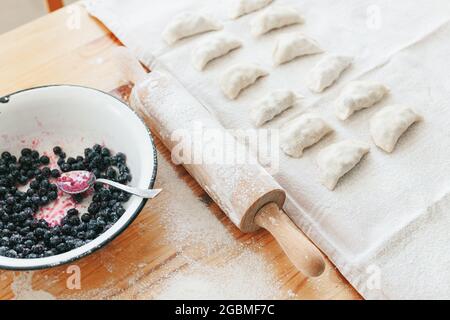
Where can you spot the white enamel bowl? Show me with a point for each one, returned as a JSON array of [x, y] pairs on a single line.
[[75, 118]]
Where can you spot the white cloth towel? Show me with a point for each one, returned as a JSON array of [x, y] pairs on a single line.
[[387, 224]]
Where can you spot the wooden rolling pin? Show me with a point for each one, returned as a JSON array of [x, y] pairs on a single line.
[[247, 194]]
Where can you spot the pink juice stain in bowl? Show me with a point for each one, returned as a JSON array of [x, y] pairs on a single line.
[[55, 211]]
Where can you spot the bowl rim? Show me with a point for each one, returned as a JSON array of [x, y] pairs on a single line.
[[6, 98]]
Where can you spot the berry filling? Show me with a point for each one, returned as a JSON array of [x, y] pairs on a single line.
[[37, 220], [75, 181]]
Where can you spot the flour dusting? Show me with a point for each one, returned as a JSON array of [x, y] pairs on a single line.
[[244, 273], [244, 277], [23, 289]]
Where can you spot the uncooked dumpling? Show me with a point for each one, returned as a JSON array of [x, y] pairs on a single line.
[[359, 95], [239, 77], [292, 46], [327, 71], [303, 132], [272, 105], [388, 124], [188, 24], [212, 48], [243, 7], [274, 18], [339, 158]]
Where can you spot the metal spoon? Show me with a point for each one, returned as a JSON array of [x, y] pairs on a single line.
[[75, 182]]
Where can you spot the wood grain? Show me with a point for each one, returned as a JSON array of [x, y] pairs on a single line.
[[135, 264], [53, 5]]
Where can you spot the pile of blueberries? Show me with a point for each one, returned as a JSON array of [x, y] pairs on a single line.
[[25, 237]]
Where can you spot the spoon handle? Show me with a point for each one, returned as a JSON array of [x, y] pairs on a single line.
[[143, 193]]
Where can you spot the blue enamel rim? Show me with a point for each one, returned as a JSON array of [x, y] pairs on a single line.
[[6, 99]]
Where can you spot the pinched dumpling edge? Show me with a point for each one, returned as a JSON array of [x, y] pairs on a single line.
[[240, 76], [358, 95], [327, 71], [390, 123], [303, 132], [213, 48], [275, 17], [188, 24], [272, 105], [338, 159], [292, 46], [241, 8]]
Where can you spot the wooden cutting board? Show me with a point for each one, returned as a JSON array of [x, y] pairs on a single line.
[[138, 263]]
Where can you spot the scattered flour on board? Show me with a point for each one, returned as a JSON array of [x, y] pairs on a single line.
[[23, 289], [186, 219], [245, 275]]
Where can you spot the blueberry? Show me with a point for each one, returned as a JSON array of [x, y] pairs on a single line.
[[47, 235], [105, 194], [34, 154], [46, 172], [23, 180], [81, 235], [105, 152], [44, 200], [11, 254], [28, 243], [74, 220], [86, 217], [97, 148], [87, 152], [65, 167], [52, 195], [44, 184], [38, 249], [78, 198], [55, 173], [25, 152], [72, 212], [34, 184], [3, 250], [36, 199], [121, 158], [93, 208], [57, 150], [6, 155], [111, 173], [122, 178], [39, 233], [62, 247], [44, 160], [67, 229], [91, 234], [4, 241], [113, 217], [14, 239], [54, 241]]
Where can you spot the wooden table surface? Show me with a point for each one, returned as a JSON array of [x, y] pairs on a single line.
[[70, 47]]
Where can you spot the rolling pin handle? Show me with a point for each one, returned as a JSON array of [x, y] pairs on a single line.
[[301, 252]]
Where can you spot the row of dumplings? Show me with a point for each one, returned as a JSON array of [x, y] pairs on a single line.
[[241, 76], [386, 126], [188, 24]]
